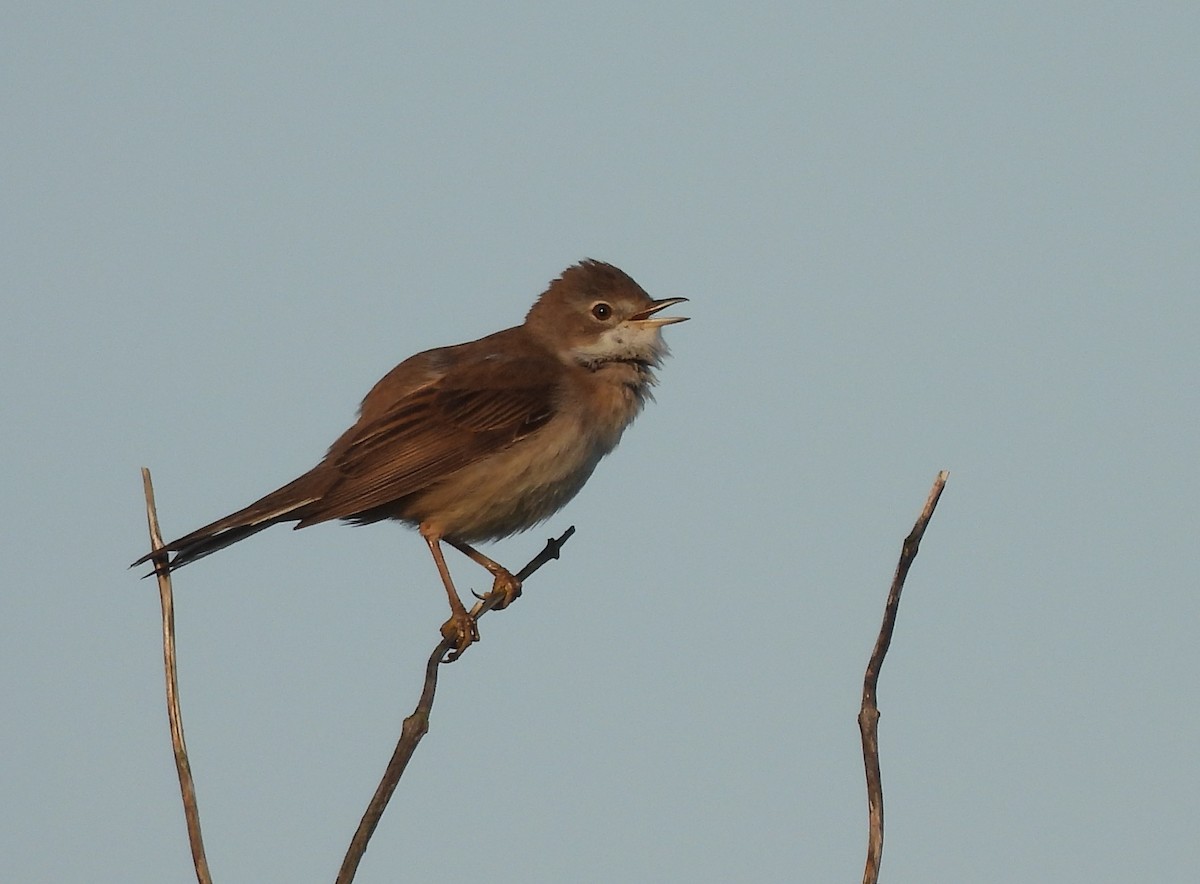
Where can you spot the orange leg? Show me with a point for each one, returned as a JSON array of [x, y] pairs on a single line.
[[504, 584], [461, 628]]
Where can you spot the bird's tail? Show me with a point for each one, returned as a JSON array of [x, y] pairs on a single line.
[[282, 505]]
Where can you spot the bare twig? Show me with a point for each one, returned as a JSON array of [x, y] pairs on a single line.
[[868, 715], [417, 724], [187, 788]]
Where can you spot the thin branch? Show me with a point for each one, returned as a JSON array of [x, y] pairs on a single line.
[[868, 715], [417, 724], [187, 788]]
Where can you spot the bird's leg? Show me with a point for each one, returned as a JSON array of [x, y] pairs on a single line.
[[461, 628], [505, 585]]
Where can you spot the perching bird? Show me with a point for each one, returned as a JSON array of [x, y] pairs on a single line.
[[481, 440]]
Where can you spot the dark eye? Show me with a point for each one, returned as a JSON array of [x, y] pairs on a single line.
[[601, 310]]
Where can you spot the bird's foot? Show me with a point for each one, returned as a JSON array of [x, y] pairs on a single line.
[[461, 631], [507, 588]]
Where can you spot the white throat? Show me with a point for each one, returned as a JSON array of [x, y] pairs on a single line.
[[624, 343]]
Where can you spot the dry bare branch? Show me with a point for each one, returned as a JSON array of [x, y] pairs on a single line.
[[868, 715], [187, 788], [416, 725]]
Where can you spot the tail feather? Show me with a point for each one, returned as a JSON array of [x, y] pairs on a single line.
[[278, 506]]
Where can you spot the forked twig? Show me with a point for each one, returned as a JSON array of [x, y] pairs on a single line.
[[417, 724], [187, 788], [868, 715]]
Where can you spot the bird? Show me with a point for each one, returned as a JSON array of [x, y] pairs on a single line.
[[478, 441]]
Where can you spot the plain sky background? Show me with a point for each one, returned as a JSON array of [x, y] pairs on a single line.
[[915, 237]]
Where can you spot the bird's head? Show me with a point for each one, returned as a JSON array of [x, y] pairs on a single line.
[[595, 314]]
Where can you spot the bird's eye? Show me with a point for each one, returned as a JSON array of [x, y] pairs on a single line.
[[601, 310]]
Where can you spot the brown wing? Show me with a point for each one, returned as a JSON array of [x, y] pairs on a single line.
[[478, 407]]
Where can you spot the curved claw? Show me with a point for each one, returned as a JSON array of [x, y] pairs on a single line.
[[508, 588], [462, 630]]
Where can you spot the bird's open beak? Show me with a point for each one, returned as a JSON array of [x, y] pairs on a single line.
[[647, 319]]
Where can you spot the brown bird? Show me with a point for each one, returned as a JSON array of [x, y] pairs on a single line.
[[481, 440]]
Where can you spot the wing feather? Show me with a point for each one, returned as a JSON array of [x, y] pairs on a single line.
[[476, 409]]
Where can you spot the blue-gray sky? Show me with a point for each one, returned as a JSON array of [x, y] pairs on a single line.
[[915, 236]]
